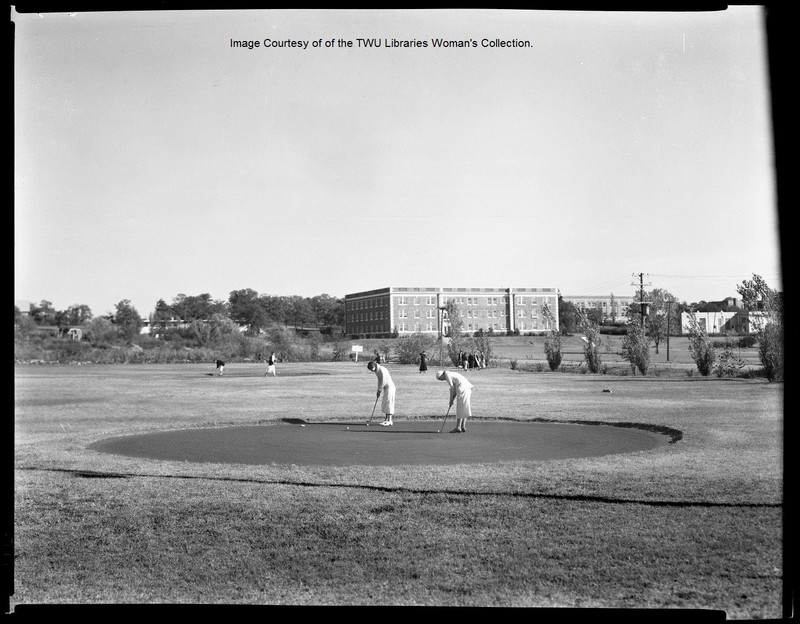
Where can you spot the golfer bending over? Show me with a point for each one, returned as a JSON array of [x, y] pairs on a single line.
[[461, 393], [385, 385]]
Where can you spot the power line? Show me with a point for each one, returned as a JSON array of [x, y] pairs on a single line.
[[740, 275]]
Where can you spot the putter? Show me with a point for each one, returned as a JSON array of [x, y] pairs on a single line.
[[373, 410], [445, 418]]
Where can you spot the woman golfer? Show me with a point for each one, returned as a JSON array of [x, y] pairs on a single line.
[[271, 365], [461, 393], [385, 386]]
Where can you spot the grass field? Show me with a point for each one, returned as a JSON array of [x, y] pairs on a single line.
[[696, 524]]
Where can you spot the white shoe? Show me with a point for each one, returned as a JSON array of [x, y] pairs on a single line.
[[386, 423]]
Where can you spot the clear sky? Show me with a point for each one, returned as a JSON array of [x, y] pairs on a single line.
[[154, 158]]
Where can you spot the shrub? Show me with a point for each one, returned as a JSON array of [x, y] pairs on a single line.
[[591, 347], [729, 363], [747, 342], [408, 348], [770, 350], [636, 348], [552, 345], [701, 347]]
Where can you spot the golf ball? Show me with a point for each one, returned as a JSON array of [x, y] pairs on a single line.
[[302, 425], [348, 428]]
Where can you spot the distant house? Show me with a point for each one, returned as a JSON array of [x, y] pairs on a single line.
[[76, 333], [739, 322]]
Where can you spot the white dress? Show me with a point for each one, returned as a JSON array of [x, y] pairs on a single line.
[[386, 386], [461, 392]]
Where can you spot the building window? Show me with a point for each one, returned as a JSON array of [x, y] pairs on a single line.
[[401, 301]]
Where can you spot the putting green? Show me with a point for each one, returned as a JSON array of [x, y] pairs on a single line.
[[406, 442]]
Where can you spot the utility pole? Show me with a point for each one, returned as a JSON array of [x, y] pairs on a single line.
[[669, 314], [642, 305]]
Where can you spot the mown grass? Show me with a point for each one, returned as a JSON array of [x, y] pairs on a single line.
[[696, 524]]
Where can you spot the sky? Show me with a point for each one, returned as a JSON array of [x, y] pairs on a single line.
[[157, 154]]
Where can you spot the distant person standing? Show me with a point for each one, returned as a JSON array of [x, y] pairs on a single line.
[[461, 394], [423, 362], [220, 367], [271, 366], [464, 360], [387, 389]]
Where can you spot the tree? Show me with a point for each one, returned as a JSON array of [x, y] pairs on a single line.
[[595, 315], [758, 297], [300, 311], [456, 344], [656, 320], [409, 347], [552, 344], [700, 346], [636, 347], [328, 311], [43, 314], [160, 317], [284, 342], [246, 309], [101, 331], [483, 344], [78, 314], [196, 307], [569, 316], [275, 307], [127, 320], [591, 346], [23, 324]]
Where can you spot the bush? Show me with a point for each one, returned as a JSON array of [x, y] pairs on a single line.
[[701, 347], [636, 348], [408, 348], [591, 348], [747, 342], [729, 363], [770, 350]]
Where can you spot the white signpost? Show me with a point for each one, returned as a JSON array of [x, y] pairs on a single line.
[[357, 349]]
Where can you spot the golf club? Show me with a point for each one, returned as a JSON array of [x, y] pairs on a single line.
[[373, 410], [445, 418]]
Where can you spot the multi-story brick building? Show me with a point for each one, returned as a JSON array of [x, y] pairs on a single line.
[[614, 309], [401, 311]]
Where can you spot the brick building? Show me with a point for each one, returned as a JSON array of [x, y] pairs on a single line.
[[614, 309], [387, 311]]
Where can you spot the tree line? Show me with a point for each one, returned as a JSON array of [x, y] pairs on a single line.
[[246, 308]]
